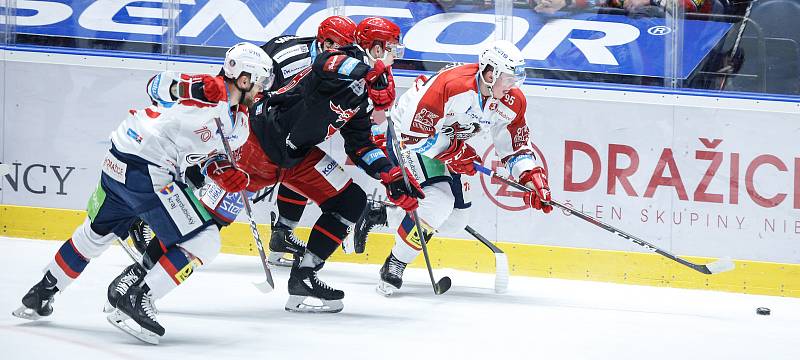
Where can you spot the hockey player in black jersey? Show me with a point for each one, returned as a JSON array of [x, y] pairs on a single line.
[[293, 54], [337, 93]]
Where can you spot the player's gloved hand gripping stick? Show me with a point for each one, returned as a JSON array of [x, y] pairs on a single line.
[[715, 267], [444, 283]]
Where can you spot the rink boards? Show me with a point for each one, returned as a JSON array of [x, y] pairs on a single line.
[[695, 174]]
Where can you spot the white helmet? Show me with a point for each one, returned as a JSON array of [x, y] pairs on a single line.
[[504, 57], [248, 58]]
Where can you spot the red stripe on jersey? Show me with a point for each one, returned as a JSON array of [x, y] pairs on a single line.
[[295, 80], [448, 83], [328, 234], [333, 63], [518, 127], [151, 114]]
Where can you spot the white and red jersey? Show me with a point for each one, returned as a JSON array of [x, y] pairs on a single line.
[[180, 134], [449, 105]]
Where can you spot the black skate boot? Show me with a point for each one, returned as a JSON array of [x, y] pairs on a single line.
[[283, 242], [137, 305], [38, 302], [304, 284], [373, 215], [391, 276], [141, 235], [133, 275]]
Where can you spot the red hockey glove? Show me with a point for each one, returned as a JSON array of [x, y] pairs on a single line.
[[380, 86], [380, 141], [226, 176], [460, 157], [202, 88], [397, 191], [537, 179]]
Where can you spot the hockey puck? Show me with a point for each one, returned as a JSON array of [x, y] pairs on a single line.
[[763, 311], [4, 169]]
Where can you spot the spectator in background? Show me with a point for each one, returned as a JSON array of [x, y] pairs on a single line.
[[632, 6]]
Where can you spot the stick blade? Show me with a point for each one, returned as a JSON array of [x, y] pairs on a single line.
[[501, 273], [721, 265], [264, 287], [443, 285]]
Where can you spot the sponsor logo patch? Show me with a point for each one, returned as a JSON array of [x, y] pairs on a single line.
[[114, 168], [179, 208]]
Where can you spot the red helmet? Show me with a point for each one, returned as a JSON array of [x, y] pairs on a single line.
[[374, 29], [340, 29]]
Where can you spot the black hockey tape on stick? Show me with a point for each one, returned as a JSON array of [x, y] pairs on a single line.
[[716, 267], [269, 284]]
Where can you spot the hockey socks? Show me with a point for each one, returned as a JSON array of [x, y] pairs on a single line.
[[290, 206], [67, 265], [171, 270]]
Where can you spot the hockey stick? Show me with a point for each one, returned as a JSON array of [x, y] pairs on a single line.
[[444, 283], [715, 267], [500, 261], [269, 284]]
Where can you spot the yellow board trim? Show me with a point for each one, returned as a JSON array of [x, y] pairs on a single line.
[[749, 277]]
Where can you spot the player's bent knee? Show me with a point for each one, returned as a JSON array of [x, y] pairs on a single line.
[[348, 204], [205, 245], [89, 243]]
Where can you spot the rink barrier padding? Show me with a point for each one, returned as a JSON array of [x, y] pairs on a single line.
[[749, 277]]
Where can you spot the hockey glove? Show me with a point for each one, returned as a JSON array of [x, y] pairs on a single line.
[[460, 157], [398, 193], [536, 179], [199, 88], [226, 176], [380, 86], [380, 141]]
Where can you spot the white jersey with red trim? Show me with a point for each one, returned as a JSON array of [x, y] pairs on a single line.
[[181, 135], [449, 105]]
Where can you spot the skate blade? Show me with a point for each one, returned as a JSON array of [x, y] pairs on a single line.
[[23, 312], [120, 321], [297, 303], [385, 289], [108, 308], [277, 259]]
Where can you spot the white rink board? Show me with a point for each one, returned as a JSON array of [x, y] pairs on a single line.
[[54, 137]]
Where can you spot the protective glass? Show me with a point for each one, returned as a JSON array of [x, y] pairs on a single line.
[[397, 49]]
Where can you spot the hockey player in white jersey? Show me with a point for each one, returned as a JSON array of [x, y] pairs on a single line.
[[142, 176], [435, 118]]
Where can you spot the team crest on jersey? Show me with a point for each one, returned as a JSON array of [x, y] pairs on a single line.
[[344, 116], [424, 120]]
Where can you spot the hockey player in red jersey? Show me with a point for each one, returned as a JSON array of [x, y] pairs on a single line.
[[143, 177], [435, 119]]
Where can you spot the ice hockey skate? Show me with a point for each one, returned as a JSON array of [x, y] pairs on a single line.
[[282, 243], [141, 235], [38, 302], [133, 275], [374, 215], [137, 305], [391, 276], [307, 293]]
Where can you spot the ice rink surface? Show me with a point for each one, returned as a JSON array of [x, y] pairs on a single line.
[[218, 314]]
